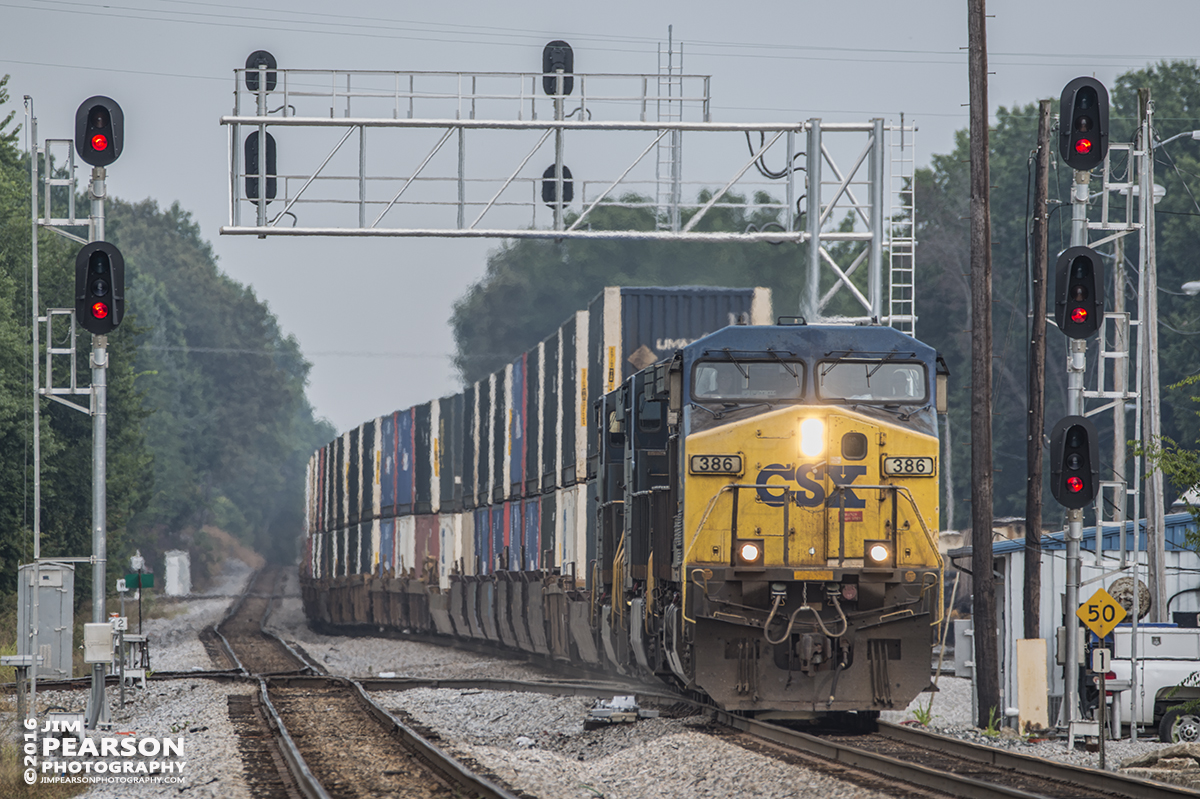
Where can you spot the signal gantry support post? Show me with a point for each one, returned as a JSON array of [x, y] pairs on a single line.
[[97, 706]]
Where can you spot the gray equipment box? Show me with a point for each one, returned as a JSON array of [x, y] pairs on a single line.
[[56, 617]]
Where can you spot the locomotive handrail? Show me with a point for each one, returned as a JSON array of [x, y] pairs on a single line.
[[787, 495], [929, 536], [896, 489]]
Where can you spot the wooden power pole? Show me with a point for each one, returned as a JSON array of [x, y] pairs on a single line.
[[987, 660], [1037, 380]]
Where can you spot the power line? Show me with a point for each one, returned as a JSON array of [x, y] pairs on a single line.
[[371, 27]]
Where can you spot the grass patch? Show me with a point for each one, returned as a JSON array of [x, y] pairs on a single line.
[[12, 779]]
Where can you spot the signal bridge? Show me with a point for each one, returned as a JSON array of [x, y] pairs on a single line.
[[540, 154]]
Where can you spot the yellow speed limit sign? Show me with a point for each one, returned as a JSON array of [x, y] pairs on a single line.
[[1101, 613]]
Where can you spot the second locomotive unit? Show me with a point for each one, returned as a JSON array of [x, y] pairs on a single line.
[[751, 515]]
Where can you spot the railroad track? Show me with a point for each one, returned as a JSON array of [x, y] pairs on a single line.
[[956, 768], [312, 735], [328, 738], [246, 643], [897, 760]]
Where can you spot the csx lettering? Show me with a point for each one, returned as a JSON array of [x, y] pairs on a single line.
[[809, 477]]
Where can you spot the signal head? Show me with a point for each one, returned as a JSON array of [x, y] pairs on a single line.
[[1079, 292], [1083, 123], [1074, 462], [555, 56], [99, 288], [256, 61], [99, 130]]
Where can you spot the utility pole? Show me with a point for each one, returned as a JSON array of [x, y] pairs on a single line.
[[1148, 336], [1037, 380], [984, 607]]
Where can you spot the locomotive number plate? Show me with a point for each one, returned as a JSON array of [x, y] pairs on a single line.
[[908, 467], [715, 464]]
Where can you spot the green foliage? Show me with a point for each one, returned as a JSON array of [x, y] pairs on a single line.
[[232, 429], [923, 714], [993, 724], [943, 282], [532, 285], [1191, 705], [207, 416], [1179, 465]]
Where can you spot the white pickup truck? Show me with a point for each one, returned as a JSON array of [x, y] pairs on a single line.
[[1167, 656]]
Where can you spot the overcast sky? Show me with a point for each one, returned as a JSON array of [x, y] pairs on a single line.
[[377, 333]]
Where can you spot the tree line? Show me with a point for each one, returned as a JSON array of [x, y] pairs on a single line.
[[531, 285], [209, 426]]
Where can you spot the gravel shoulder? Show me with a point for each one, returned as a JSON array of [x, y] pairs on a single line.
[[537, 744], [952, 716], [194, 710]]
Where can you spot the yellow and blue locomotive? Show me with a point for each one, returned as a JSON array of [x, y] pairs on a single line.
[[768, 507], [751, 514]]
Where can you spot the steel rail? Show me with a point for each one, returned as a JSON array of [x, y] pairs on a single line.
[[295, 653], [305, 780], [442, 762], [229, 614], [952, 784], [1036, 766]]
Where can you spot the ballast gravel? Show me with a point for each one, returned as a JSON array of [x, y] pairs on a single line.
[[951, 709], [174, 639], [193, 709], [537, 744]]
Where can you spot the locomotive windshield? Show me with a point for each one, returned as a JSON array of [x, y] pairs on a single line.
[[738, 380], [872, 381]]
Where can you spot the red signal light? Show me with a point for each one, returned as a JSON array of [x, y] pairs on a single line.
[[1083, 146], [1079, 315], [99, 142], [100, 310], [1075, 484]]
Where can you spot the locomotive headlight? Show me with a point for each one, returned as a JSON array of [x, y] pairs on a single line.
[[879, 553], [812, 437], [748, 553]]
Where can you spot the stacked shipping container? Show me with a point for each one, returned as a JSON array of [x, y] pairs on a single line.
[[492, 480]]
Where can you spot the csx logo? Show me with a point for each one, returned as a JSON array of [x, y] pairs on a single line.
[[811, 479]]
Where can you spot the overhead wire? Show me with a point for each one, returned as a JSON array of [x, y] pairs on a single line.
[[370, 27]]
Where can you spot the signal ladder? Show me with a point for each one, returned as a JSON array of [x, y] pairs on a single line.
[[669, 107], [902, 231]]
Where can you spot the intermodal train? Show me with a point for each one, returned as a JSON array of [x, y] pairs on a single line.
[[672, 484]]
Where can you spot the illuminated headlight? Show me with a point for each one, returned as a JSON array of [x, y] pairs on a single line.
[[812, 437], [748, 553], [878, 553]]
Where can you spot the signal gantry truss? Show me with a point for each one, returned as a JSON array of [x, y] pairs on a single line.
[[491, 155]]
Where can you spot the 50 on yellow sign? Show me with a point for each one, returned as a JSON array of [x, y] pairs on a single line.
[[1101, 614]]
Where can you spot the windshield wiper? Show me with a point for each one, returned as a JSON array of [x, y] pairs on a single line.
[[745, 374], [879, 365], [786, 365]]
